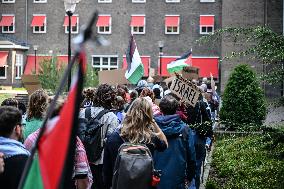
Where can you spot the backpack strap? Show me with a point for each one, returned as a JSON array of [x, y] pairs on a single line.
[[88, 114], [103, 112]]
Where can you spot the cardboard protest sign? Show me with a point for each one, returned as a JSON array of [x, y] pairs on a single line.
[[190, 73], [112, 77], [185, 90], [31, 83]]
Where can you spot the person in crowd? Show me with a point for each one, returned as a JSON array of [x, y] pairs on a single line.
[[198, 115], [127, 95], [15, 154], [161, 89], [122, 93], [157, 94], [133, 96], [10, 102], [23, 109], [138, 127], [140, 86], [89, 95], [36, 111], [104, 97], [177, 162], [149, 95], [2, 164], [119, 108], [82, 175], [150, 81], [168, 91]]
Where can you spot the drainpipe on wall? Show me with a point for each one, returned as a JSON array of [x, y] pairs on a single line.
[[26, 26]]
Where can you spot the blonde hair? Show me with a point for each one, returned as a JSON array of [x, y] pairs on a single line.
[[137, 124]]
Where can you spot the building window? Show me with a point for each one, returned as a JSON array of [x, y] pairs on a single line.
[[74, 24], [207, 1], [39, 24], [8, 1], [138, 1], [19, 66], [105, 62], [3, 72], [40, 1], [8, 23], [172, 1], [172, 24], [104, 1], [137, 24], [104, 24], [206, 24]]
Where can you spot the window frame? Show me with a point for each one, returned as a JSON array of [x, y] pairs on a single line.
[[104, 1], [110, 23], [178, 27], [19, 72], [77, 26], [138, 1], [2, 27], [172, 1], [8, 1], [44, 24], [207, 1], [206, 33], [144, 27], [39, 1], [4, 77], [102, 67]]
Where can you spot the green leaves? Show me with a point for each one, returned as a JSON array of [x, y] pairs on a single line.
[[261, 44], [243, 100]]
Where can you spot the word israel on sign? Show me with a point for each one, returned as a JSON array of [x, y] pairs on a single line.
[[185, 90]]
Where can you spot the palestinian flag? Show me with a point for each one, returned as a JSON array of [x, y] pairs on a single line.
[[52, 167], [135, 68], [178, 64]]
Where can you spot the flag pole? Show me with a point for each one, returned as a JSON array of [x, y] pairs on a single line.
[[85, 35]]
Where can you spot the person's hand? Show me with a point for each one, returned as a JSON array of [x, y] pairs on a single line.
[[1, 162]]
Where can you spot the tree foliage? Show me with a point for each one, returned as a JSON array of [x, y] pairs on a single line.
[[50, 75], [261, 43], [243, 103]]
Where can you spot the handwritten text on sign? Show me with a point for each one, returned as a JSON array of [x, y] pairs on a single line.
[[185, 90]]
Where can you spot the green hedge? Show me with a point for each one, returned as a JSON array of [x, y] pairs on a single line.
[[243, 102], [250, 162]]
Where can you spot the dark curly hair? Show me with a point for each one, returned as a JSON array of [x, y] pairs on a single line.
[[105, 96], [37, 104], [10, 102], [147, 92]]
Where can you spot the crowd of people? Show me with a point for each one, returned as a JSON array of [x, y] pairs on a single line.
[[148, 115]]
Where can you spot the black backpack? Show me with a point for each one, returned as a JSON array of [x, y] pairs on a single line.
[[91, 134], [133, 167]]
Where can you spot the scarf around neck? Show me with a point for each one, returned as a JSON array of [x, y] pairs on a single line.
[[11, 147]]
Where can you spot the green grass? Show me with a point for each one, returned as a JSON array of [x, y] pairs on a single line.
[[251, 162]]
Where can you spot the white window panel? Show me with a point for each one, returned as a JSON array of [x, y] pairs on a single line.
[[138, 1], [8, 1], [3, 72], [104, 1], [172, 1], [9, 29], [19, 66], [206, 29], [207, 1], [74, 29], [104, 62], [40, 1]]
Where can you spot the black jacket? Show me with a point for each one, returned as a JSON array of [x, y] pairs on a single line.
[[13, 169]]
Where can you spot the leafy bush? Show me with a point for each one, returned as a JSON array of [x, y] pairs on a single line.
[[243, 100], [50, 75], [247, 163]]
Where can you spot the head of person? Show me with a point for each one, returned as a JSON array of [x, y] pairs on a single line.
[[10, 102], [37, 104], [122, 93], [119, 103], [105, 96], [124, 87], [10, 123], [157, 93], [89, 97], [22, 107], [133, 95], [147, 92], [169, 105], [58, 105], [137, 122]]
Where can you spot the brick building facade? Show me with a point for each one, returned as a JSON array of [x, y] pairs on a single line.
[[179, 23]]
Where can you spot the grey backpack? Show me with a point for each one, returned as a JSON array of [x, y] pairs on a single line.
[[133, 167]]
